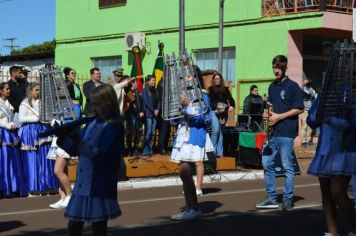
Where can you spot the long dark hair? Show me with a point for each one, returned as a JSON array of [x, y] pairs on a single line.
[[218, 88], [31, 86], [2, 85], [106, 105]]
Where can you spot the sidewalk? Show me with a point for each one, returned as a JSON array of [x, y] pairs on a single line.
[[304, 156]]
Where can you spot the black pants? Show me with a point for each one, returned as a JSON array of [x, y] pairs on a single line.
[[99, 228], [164, 131]]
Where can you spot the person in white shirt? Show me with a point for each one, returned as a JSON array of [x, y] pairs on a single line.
[[11, 170], [38, 169]]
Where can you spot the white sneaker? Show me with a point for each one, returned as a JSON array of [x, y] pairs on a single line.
[[57, 205], [199, 192], [65, 202], [192, 214], [329, 234]]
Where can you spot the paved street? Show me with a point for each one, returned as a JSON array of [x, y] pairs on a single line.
[[228, 210]]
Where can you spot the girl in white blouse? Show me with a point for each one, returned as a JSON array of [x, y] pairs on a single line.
[[38, 169], [11, 170]]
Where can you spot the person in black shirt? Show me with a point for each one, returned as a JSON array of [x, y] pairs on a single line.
[[18, 88], [287, 103], [253, 100], [134, 112], [73, 89], [221, 102]]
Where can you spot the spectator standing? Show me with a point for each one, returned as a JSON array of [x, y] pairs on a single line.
[[88, 88], [309, 96], [74, 90], [18, 88], [164, 125], [151, 102], [253, 99], [221, 102], [134, 114]]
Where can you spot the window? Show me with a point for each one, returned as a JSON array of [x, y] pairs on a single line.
[[208, 59], [107, 65], [111, 3]]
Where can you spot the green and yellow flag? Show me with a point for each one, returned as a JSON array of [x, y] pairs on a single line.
[[158, 68]]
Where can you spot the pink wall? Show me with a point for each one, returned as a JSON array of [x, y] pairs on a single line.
[[295, 56]]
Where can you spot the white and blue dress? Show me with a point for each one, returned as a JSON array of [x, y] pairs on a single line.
[[39, 170], [12, 177], [190, 142]]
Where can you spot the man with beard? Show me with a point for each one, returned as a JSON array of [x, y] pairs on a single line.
[[18, 88]]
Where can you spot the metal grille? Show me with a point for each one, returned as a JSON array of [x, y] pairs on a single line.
[[55, 102], [338, 96]]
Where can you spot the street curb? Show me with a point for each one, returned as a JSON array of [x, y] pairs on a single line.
[[151, 182]]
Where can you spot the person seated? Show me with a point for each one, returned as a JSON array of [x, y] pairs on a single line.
[[253, 103]]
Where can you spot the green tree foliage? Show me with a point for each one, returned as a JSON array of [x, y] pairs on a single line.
[[36, 48]]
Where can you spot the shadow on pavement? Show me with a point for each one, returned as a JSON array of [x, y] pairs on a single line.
[[9, 225]]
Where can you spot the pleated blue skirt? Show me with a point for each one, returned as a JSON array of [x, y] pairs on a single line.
[[11, 167], [33, 152], [342, 163], [91, 209]]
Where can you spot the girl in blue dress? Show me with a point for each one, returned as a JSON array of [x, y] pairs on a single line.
[[38, 170], [99, 147], [189, 148], [12, 176], [335, 163]]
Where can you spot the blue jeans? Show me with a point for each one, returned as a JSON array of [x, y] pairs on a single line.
[[282, 146], [216, 134], [150, 127]]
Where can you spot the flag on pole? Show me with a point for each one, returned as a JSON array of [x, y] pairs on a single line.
[[158, 68], [136, 70]]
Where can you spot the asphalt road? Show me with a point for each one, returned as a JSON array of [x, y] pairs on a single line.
[[229, 209]]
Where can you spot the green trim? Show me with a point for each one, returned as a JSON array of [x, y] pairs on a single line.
[[263, 20]]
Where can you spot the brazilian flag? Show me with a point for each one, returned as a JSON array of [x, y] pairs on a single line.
[[158, 68]]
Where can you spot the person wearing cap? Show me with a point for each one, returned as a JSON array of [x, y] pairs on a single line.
[[24, 73], [18, 88], [120, 82]]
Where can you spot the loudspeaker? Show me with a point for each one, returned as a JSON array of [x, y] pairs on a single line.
[[250, 157]]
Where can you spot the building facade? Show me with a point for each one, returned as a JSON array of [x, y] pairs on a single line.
[[92, 33]]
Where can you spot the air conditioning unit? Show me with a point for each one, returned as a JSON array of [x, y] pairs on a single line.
[[136, 39]]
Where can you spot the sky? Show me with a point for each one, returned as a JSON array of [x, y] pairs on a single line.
[[30, 21]]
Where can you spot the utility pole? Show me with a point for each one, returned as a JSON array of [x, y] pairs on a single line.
[[181, 27], [11, 46], [221, 35]]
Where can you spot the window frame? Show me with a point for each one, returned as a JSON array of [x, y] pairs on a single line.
[[215, 50], [107, 77], [113, 3]]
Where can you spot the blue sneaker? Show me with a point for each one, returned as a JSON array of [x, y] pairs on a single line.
[[267, 204]]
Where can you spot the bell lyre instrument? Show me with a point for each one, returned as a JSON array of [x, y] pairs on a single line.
[[55, 102], [338, 95], [180, 77]]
